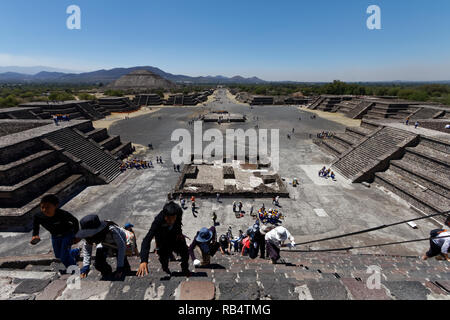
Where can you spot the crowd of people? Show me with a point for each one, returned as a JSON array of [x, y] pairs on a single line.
[[135, 164], [325, 135], [272, 216], [143, 164], [111, 240], [60, 117], [327, 173]]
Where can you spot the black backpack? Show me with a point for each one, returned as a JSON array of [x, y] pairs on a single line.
[[435, 233]]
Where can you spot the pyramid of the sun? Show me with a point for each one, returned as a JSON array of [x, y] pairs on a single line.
[[141, 79]]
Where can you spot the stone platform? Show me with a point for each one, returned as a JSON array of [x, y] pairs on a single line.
[[230, 179], [223, 117]]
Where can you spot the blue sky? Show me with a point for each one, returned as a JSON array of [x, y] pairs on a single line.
[[274, 40]]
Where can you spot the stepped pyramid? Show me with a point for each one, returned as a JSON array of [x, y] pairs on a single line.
[[141, 79]]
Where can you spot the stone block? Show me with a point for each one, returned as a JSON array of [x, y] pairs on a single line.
[[197, 290]]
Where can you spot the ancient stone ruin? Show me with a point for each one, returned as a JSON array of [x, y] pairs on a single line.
[[230, 178], [38, 157]]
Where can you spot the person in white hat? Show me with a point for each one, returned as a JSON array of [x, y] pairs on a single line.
[[275, 239]]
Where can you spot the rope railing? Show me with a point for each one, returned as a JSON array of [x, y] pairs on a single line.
[[366, 231], [368, 246], [372, 229]]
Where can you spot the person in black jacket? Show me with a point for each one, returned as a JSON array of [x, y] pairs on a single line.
[[62, 226], [166, 229]]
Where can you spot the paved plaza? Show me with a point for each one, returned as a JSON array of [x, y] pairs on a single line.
[[317, 207]]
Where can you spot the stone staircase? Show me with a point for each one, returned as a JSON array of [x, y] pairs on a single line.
[[316, 103], [147, 100], [421, 176], [75, 109], [111, 143], [299, 276], [37, 157], [89, 110], [330, 103], [427, 113], [373, 153], [117, 104], [100, 161], [390, 111], [360, 109], [26, 176], [347, 105], [342, 142]]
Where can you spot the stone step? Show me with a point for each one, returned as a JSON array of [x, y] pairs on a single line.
[[326, 148], [123, 150], [435, 180], [26, 167], [360, 131], [366, 155], [20, 193], [20, 219], [317, 276], [111, 142], [432, 154], [335, 145], [88, 152], [348, 139], [427, 197], [97, 134], [290, 281], [440, 145]]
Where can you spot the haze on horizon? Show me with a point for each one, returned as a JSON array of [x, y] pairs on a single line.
[[294, 40]]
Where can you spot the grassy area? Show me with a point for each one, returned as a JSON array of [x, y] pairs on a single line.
[[12, 95]]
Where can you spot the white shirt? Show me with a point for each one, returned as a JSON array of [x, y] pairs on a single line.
[[271, 236], [444, 243]]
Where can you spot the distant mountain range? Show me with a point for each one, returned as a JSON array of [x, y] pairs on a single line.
[[108, 76], [34, 70]]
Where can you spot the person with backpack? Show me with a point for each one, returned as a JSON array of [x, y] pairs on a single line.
[[258, 242], [246, 245], [224, 244], [62, 226], [109, 239], [439, 243], [206, 244], [166, 229], [132, 249]]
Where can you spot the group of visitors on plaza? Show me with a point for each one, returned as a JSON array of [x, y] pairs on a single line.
[[135, 164], [60, 117], [142, 164], [327, 173], [111, 240], [416, 124], [324, 134]]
